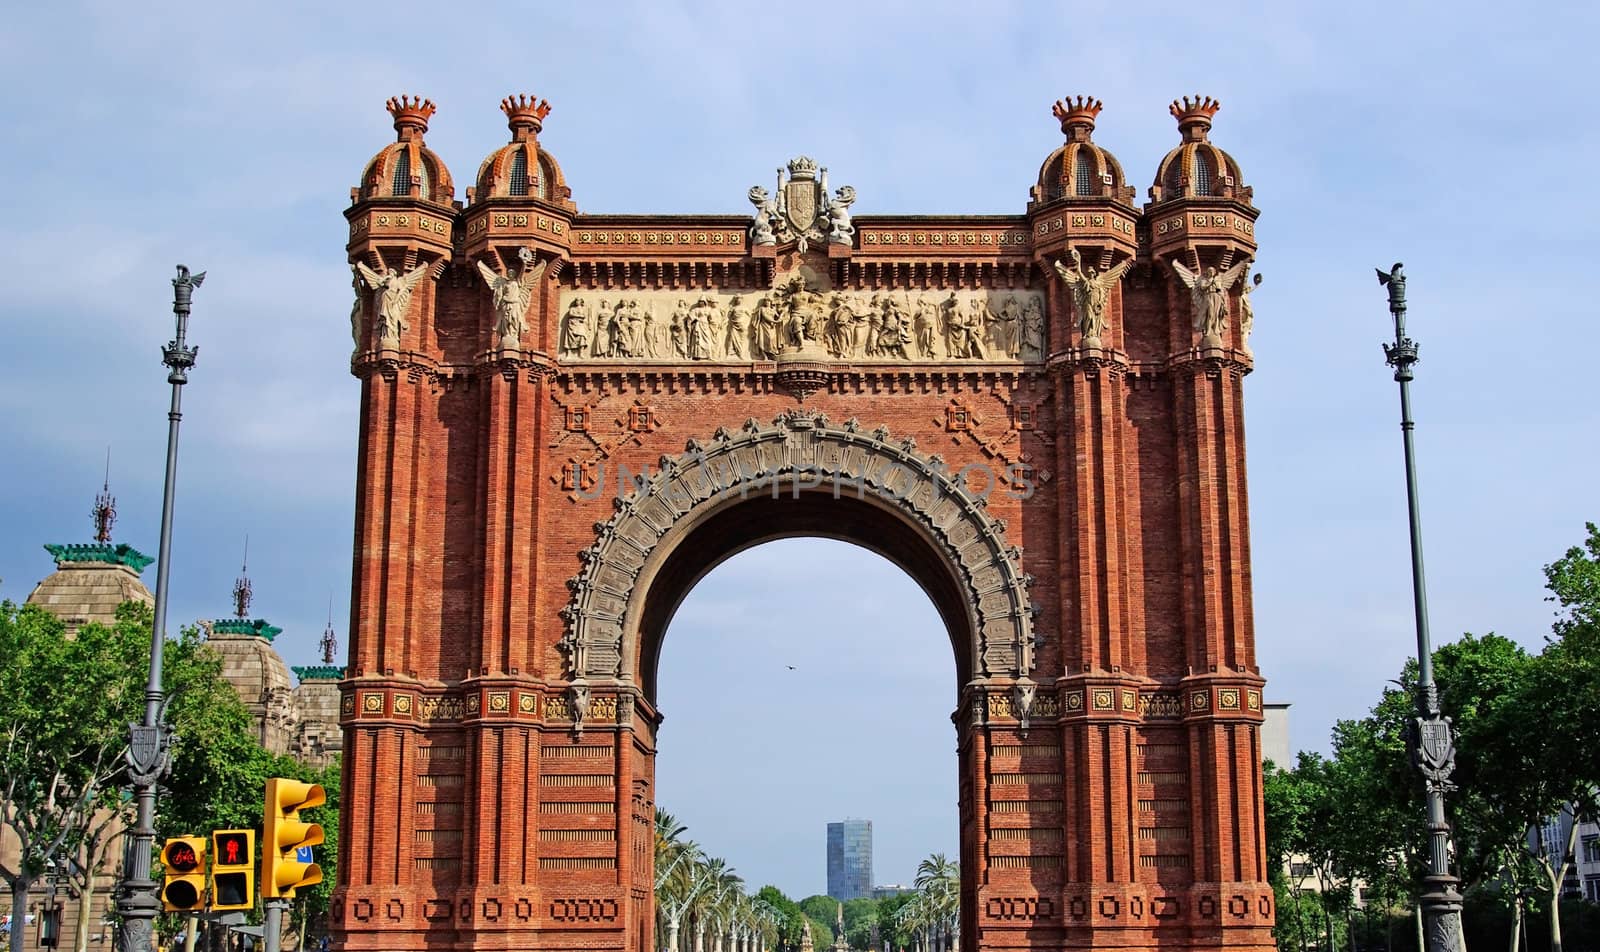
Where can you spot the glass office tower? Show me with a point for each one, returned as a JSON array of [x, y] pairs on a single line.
[[850, 859]]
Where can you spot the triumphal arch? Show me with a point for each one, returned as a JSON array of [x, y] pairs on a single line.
[[567, 419]]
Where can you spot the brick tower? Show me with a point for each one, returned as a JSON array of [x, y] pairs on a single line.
[[567, 418]]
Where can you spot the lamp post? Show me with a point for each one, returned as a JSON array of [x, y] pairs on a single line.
[[1432, 746], [149, 742]]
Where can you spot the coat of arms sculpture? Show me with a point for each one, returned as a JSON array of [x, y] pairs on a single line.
[[800, 211]]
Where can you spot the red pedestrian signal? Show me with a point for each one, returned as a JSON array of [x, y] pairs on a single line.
[[233, 872]]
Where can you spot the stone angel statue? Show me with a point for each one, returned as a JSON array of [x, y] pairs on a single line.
[[1208, 295], [513, 292], [394, 300], [1090, 291]]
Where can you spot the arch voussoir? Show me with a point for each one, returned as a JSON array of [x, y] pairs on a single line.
[[758, 457]]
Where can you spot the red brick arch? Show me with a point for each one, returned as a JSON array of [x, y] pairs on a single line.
[[509, 609], [976, 572]]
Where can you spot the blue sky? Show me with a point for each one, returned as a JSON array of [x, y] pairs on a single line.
[[1460, 140]]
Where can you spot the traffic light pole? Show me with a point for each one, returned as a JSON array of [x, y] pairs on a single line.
[[272, 926], [148, 743]]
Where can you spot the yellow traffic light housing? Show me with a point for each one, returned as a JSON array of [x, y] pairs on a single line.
[[233, 870], [284, 834], [183, 888]]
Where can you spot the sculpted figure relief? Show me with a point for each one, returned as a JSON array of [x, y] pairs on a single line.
[[1208, 296], [513, 292], [576, 330], [764, 328], [1032, 331], [1090, 292], [394, 300], [925, 327], [702, 329], [738, 329], [1003, 327], [885, 325], [894, 332], [604, 330]]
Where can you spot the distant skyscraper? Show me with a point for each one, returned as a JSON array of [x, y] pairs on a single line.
[[850, 859]]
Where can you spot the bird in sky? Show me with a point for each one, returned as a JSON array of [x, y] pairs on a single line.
[[790, 667]]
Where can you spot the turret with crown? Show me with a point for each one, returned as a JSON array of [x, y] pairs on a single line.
[[401, 217], [1201, 217], [1082, 205]]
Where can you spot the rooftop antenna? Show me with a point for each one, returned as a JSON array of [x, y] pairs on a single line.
[[330, 644], [105, 506], [241, 586]]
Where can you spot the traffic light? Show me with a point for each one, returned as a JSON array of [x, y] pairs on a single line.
[[233, 869], [184, 889], [282, 872]]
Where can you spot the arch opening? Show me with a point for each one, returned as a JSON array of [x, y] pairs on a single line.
[[607, 620], [785, 717], [798, 514]]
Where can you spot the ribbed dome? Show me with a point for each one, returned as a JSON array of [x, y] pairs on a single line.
[[1197, 168], [520, 169], [408, 168], [1080, 168]]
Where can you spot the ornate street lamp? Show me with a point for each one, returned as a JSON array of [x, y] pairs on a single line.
[[149, 742], [1432, 747]]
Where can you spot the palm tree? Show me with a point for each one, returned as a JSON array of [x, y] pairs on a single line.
[[709, 908], [938, 900]]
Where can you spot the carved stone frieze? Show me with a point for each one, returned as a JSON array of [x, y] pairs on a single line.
[[855, 326], [600, 641]]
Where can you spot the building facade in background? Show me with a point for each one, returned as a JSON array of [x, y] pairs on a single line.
[[850, 860]]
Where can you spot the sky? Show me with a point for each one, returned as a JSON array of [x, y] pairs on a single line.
[[141, 136]]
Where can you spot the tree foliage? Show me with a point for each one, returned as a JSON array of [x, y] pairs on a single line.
[[1521, 721], [65, 705]]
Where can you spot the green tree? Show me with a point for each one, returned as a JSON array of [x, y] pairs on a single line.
[[860, 915], [787, 914], [65, 704], [822, 911]]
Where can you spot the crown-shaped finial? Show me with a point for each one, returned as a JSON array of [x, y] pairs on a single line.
[[411, 114], [803, 167], [1077, 113], [525, 112], [1194, 115]]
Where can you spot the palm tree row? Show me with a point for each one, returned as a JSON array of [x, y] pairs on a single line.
[[704, 894], [933, 916]]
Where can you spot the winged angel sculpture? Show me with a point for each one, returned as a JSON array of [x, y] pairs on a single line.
[[1090, 291], [1208, 294], [394, 299], [513, 292]]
